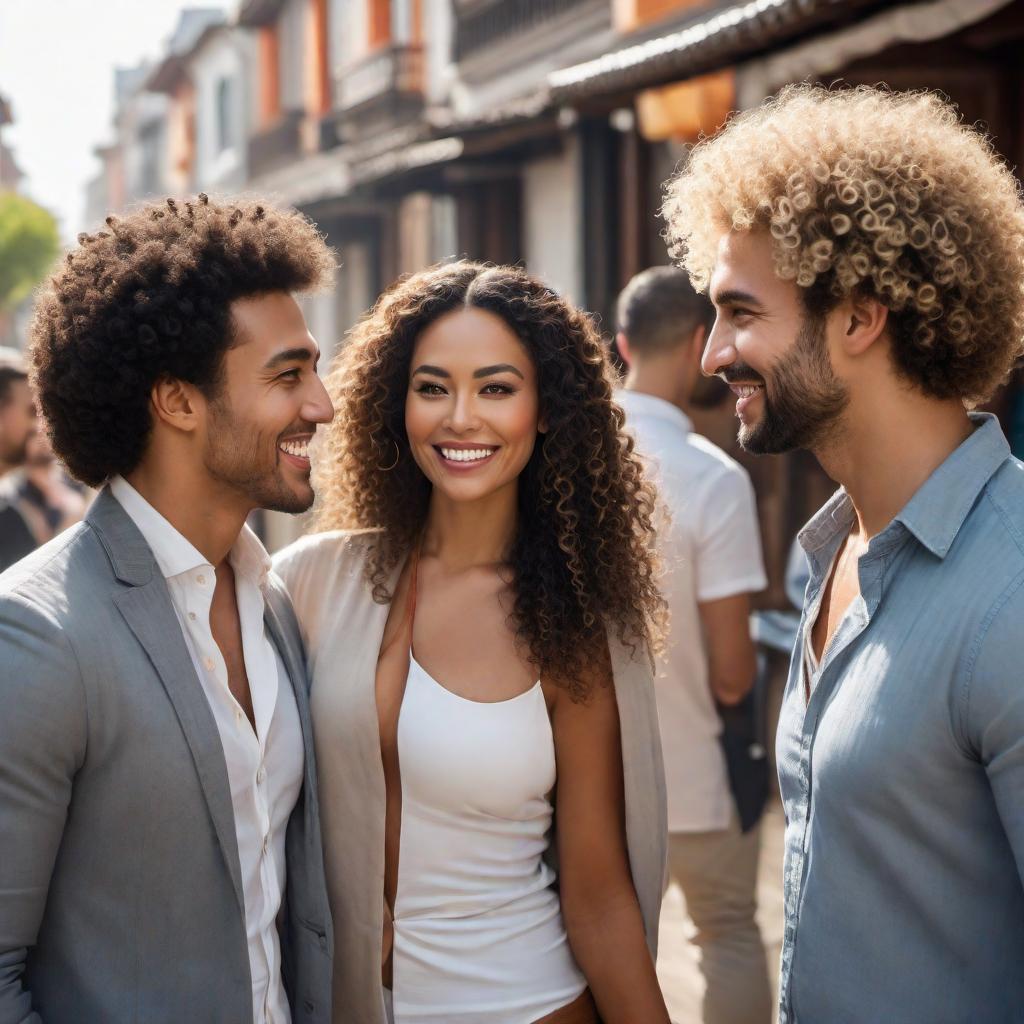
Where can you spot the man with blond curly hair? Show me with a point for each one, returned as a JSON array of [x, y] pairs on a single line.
[[865, 254]]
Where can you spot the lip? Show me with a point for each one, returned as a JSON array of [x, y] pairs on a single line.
[[298, 461], [464, 467], [744, 402]]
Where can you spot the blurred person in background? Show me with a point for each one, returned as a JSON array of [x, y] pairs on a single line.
[[36, 502], [710, 549], [17, 410], [478, 606], [863, 250], [160, 853]]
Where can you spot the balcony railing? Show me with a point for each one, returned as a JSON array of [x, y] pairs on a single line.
[[482, 23], [277, 145], [392, 74]]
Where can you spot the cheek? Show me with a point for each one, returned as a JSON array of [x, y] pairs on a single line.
[[420, 418], [519, 420]]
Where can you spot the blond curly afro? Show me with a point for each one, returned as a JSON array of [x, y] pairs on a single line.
[[880, 191]]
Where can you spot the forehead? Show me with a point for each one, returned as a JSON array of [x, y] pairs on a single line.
[[264, 323], [470, 337], [743, 263]]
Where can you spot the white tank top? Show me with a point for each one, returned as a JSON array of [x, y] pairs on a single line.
[[478, 936]]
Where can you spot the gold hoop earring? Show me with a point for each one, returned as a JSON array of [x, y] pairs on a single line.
[[398, 455]]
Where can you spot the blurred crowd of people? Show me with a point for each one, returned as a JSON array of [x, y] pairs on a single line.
[[38, 499]]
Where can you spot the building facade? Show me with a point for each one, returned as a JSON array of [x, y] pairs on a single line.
[[534, 132]]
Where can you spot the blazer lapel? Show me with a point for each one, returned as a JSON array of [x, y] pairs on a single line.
[[146, 606], [295, 666]]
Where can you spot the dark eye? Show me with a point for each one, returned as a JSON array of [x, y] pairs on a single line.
[[429, 388], [290, 375], [498, 389]]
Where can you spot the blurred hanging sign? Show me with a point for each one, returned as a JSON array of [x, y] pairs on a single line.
[[685, 110]]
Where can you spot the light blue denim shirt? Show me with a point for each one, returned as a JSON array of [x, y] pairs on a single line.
[[903, 775]]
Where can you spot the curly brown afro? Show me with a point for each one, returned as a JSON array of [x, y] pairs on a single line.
[[150, 297], [581, 561]]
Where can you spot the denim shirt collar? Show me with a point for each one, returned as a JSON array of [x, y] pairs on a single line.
[[936, 512]]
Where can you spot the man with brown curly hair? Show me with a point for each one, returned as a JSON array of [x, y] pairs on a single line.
[[865, 254], [156, 766]]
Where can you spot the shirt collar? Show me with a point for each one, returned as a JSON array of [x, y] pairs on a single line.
[[173, 552], [940, 505], [639, 403], [938, 509]]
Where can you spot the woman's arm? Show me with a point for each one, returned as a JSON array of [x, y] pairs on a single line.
[[599, 904]]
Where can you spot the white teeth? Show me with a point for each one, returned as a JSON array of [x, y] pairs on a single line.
[[746, 390], [300, 449], [466, 454]]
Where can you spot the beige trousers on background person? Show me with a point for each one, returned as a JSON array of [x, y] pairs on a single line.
[[717, 872]]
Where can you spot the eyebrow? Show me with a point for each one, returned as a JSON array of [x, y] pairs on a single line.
[[484, 371], [291, 355], [735, 297], [487, 371]]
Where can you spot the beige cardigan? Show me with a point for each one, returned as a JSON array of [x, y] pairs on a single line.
[[342, 628]]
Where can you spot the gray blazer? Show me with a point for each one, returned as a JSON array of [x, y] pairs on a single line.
[[120, 886]]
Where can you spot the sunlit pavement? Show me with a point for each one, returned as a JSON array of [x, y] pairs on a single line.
[[677, 960]]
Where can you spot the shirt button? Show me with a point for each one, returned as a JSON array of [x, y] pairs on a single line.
[[201, 580], [266, 843], [261, 775], [192, 616], [208, 662], [238, 716]]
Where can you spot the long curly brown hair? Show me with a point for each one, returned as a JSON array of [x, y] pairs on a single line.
[[582, 558]]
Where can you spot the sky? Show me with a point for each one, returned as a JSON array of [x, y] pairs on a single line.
[[57, 60]]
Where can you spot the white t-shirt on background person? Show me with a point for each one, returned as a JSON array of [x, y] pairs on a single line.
[[710, 549]]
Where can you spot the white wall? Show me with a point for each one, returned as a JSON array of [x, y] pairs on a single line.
[[224, 56], [348, 22], [292, 27], [437, 31], [552, 226]]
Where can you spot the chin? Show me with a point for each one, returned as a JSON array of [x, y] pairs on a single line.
[[281, 499]]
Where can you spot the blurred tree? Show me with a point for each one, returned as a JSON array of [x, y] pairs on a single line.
[[29, 244]]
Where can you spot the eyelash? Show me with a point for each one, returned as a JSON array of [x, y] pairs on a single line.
[[290, 376], [431, 390]]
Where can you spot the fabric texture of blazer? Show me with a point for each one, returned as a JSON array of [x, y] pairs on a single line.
[[342, 628], [120, 885]]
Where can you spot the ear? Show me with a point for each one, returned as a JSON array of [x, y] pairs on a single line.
[[175, 403], [622, 344], [864, 320]]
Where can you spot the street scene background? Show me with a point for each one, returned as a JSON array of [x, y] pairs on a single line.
[[529, 132]]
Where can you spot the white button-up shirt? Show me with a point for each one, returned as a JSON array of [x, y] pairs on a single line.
[[264, 766], [710, 549]]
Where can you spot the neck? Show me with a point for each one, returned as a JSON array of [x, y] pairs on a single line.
[[208, 516], [464, 535], [888, 447], [661, 378]]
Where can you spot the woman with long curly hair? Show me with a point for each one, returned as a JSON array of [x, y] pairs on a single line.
[[479, 608]]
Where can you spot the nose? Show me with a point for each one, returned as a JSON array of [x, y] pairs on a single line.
[[462, 416], [318, 407], [719, 352]]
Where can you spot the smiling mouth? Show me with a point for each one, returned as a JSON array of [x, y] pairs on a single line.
[[745, 390], [465, 456], [296, 448]]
